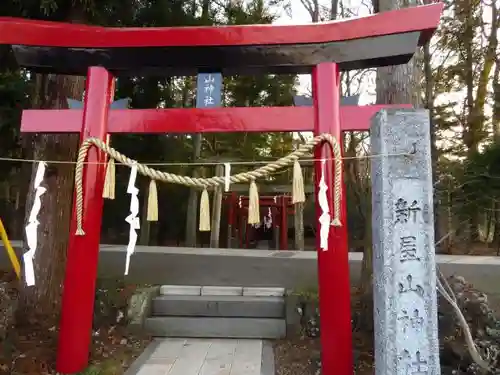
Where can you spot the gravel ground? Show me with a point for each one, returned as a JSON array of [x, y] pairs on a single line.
[[296, 356]]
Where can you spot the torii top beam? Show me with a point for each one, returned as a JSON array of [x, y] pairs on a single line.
[[388, 38]]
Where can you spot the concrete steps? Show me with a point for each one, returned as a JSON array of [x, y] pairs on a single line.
[[218, 312], [205, 327], [219, 306]]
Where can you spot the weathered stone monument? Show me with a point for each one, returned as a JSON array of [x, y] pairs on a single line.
[[405, 301]]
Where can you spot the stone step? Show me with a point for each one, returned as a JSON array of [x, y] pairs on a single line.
[[263, 292], [204, 327], [185, 290], [221, 291], [219, 306], [190, 290]]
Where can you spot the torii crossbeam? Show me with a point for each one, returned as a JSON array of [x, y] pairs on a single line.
[[196, 120], [323, 49]]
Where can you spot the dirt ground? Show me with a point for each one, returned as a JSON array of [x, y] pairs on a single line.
[[31, 347], [32, 351], [296, 356], [299, 355]]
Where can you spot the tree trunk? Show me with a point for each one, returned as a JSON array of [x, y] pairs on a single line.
[[145, 230], [192, 207], [55, 214], [429, 104], [216, 211], [312, 7], [299, 226], [366, 283], [496, 136], [496, 101], [451, 229], [473, 131], [489, 217], [470, 136], [394, 85], [334, 9]]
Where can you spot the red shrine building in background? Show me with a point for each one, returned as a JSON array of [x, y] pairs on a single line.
[[101, 54]]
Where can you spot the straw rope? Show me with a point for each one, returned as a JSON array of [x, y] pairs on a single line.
[[250, 176]]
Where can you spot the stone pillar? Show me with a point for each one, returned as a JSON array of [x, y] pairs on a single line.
[[405, 301]]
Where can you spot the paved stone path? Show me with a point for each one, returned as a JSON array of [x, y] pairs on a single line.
[[179, 356]]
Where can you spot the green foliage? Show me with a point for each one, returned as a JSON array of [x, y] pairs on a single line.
[[109, 367], [13, 97], [460, 57], [93, 370], [463, 54], [306, 294], [481, 178]]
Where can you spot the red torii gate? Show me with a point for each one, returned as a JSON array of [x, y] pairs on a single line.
[[322, 49]]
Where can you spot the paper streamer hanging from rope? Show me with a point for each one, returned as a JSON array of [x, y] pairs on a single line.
[[227, 176], [132, 219], [32, 227], [325, 218]]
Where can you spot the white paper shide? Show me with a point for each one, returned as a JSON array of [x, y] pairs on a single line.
[[32, 228], [325, 218], [132, 218], [227, 176]]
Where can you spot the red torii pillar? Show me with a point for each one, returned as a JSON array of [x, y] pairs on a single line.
[[388, 38]]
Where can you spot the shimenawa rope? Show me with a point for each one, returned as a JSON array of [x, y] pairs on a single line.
[[250, 176]]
